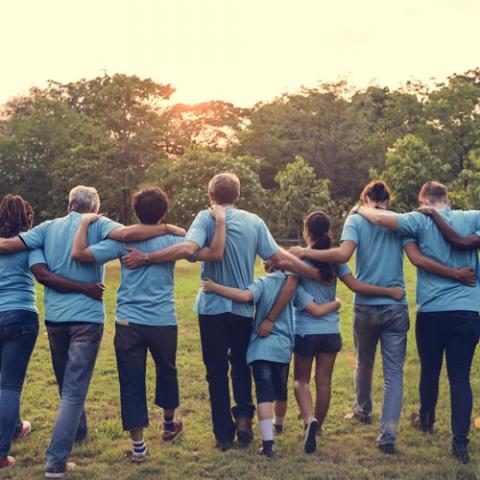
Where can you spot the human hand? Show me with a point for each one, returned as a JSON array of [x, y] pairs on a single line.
[[265, 328], [135, 259]]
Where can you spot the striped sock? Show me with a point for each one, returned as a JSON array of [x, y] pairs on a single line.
[[139, 448]]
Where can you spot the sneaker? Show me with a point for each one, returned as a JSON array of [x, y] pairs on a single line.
[[223, 445], [388, 448], [461, 453], [7, 462], [26, 429], [139, 457], [244, 430], [362, 418], [267, 449], [416, 423], [278, 429], [309, 440], [59, 472], [172, 436]]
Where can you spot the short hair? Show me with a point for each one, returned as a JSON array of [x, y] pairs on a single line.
[[377, 191], [150, 204], [83, 199], [433, 191], [224, 188]]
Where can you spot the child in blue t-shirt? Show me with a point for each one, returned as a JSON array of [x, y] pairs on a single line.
[[271, 343]]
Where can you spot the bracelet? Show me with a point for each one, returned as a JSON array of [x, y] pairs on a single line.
[[270, 320], [146, 258]]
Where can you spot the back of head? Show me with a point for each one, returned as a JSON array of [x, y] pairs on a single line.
[[433, 192], [317, 225], [376, 191], [224, 188], [150, 204], [16, 216], [83, 199]]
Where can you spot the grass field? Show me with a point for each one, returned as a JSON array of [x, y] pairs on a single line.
[[346, 450]]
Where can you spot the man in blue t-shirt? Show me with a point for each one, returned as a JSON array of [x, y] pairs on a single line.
[[447, 316], [74, 321], [225, 325], [145, 317], [379, 261]]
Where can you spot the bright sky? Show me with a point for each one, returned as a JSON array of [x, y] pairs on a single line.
[[241, 51]]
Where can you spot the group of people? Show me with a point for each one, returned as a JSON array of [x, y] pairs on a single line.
[[247, 326]]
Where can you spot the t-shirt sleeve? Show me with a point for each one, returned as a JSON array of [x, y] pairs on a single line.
[[257, 289], [106, 250], [105, 226], [342, 269], [35, 257], [302, 298], [35, 238], [198, 229], [351, 229], [408, 224], [266, 246]]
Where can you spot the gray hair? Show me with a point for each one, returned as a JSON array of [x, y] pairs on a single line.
[[83, 199]]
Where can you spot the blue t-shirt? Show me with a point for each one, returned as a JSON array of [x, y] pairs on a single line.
[[247, 237], [435, 293], [306, 324], [278, 346], [17, 287], [145, 294], [379, 257], [56, 238]]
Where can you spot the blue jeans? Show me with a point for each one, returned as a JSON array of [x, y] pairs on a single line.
[[18, 333], [388, 324], [75, 347]]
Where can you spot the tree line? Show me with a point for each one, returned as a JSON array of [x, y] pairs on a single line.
[[312, 149]]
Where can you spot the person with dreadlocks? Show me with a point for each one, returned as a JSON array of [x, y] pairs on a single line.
[[19, 317]]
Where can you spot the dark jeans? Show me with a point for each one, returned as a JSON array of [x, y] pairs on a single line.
[[74, 348], [18, 333], [225, 339], [456, 333], [132, 342], [271, 380]]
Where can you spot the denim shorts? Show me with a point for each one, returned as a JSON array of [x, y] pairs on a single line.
[[271, 380], [312, 345]]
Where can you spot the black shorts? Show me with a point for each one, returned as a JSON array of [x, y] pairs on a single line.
[[271, 380], [312, 345]]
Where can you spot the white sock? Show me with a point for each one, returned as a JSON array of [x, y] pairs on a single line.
[[279, 420], [266, 428]]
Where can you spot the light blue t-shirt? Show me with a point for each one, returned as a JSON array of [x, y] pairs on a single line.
[[145, 294], [247, 237], [17, 287], [435, 293], [306, 324], [379, 257], [278, 346], [56, 238]]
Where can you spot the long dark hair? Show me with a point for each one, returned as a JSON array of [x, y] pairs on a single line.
[[16, 215], [377, 191], [317, 224]]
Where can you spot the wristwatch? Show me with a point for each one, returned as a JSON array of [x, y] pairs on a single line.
[[146, 258]]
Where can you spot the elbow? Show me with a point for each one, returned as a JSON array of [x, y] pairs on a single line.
[[280, 260], [216, 256], [76, 256], [343, 257]]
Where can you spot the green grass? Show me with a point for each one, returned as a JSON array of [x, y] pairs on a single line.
[[345, 451]]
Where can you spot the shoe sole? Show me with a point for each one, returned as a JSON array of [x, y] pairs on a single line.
[[309, 439], [55, 475]]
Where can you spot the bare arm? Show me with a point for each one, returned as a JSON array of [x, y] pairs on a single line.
[[464, 275], [64, 285], [214, 252], [397, 293], [135, 233], [341, 254], [286, 261], [460, 242], [80, 250], [235, 294], [11, 245], [322, 309], [379, 217]]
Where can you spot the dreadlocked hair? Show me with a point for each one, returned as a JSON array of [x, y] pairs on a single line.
[[16, 215], [317, 225]]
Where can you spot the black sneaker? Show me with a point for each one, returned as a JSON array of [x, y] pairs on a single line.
[[223, 445], [460, 452], [388, 448], [267, 449], [278, 429], [243, 426], [59, 472], [309, 436], [416, 422]]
